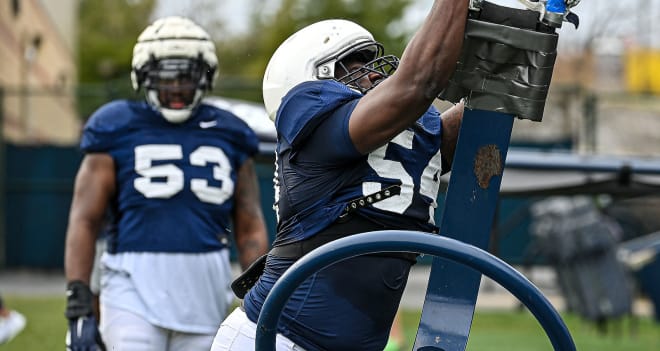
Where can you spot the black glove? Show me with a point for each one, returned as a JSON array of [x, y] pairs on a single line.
[[83, 333]]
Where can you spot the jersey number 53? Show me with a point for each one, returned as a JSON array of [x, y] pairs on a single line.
[[173, 177]]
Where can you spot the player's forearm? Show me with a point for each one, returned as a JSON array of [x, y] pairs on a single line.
[[451, 125], [251, 246], [427, 63], [249, 225], [250, 233], [79, 252], [430, 58]]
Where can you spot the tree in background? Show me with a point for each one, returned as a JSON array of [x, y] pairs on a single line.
[[243, 58], [107, 32]]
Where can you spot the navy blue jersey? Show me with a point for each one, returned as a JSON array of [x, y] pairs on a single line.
[[319, 170], [350, 305], [175, 182]]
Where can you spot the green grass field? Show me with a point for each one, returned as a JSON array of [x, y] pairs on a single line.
[[491, 331], [519, 331]]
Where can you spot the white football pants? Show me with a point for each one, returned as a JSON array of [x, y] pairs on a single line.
[[238, 333], [123, 331]]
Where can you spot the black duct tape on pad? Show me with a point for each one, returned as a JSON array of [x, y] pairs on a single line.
[[506, 63]]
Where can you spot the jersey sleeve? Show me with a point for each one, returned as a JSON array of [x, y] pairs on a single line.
[[330, 142], [232, 127], [250, 143], [307, 105], [104, 127]]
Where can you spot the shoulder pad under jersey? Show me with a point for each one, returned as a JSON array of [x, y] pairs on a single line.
[[307, 102], [109, 121]]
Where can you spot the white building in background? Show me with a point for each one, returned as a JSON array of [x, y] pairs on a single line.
[[38, 71]]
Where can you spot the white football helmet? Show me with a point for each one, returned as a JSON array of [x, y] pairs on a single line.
[[174, 60], [313, 53]]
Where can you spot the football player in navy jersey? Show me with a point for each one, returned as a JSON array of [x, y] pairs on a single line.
[[178, 176], [360, 148]]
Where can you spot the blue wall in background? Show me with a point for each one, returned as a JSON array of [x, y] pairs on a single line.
[[39, 186]]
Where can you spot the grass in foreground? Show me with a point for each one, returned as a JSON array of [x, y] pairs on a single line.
[[491, 331], [519, 331], [46, 325]]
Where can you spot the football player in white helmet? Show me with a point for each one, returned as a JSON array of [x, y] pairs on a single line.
[[328, 45], [360, 148], [174, 61], [174, 174]]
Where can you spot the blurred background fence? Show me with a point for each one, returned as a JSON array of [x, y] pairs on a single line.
[[36, 178], [63, 59]]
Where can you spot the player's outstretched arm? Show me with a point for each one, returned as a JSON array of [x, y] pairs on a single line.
[[426, 65], [249, 226]]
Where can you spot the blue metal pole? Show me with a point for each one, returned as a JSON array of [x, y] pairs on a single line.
[[470, 204], [410, 241]]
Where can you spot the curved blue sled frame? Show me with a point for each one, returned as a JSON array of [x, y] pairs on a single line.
[[410, 241]]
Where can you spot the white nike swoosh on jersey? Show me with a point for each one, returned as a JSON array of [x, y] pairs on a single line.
[[208, 124]]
